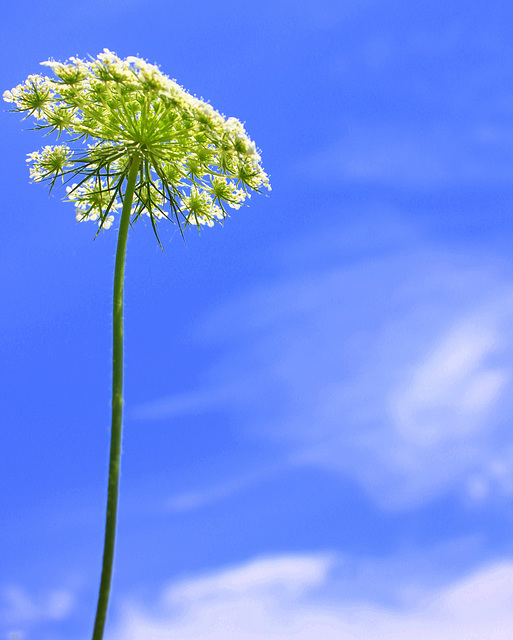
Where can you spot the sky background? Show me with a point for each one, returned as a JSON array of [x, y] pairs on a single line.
[[318, 436]]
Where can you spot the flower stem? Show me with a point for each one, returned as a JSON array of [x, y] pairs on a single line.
[[117, 405]]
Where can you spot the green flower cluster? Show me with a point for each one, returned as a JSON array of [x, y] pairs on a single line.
[[193, 162]]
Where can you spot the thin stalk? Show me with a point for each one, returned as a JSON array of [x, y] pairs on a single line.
[[117, 406]]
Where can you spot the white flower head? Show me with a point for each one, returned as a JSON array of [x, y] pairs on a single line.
[[193, 162]]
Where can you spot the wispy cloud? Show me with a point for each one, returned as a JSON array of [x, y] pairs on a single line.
[[405, 156], [393, 369], [191, 500], [192, 402], [446, 395], [299, 597], [20, 610]]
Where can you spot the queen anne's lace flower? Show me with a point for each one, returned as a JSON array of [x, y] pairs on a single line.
[[50, 162], [193, 160]]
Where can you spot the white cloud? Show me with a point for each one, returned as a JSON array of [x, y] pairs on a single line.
[[191, 500], [286, 574], [19, 607], [448, 393], [393, 370], [192, 402], [298, 597], [419, 157]]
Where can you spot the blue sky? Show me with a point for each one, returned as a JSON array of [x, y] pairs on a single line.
[[318, 404]]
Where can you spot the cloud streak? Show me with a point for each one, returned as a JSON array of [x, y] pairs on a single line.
[[392, 369], [404, 390], [418, 157], [298, 597], [192, 500], [21, 611]]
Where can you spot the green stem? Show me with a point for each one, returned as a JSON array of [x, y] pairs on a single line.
[[117, 406]]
